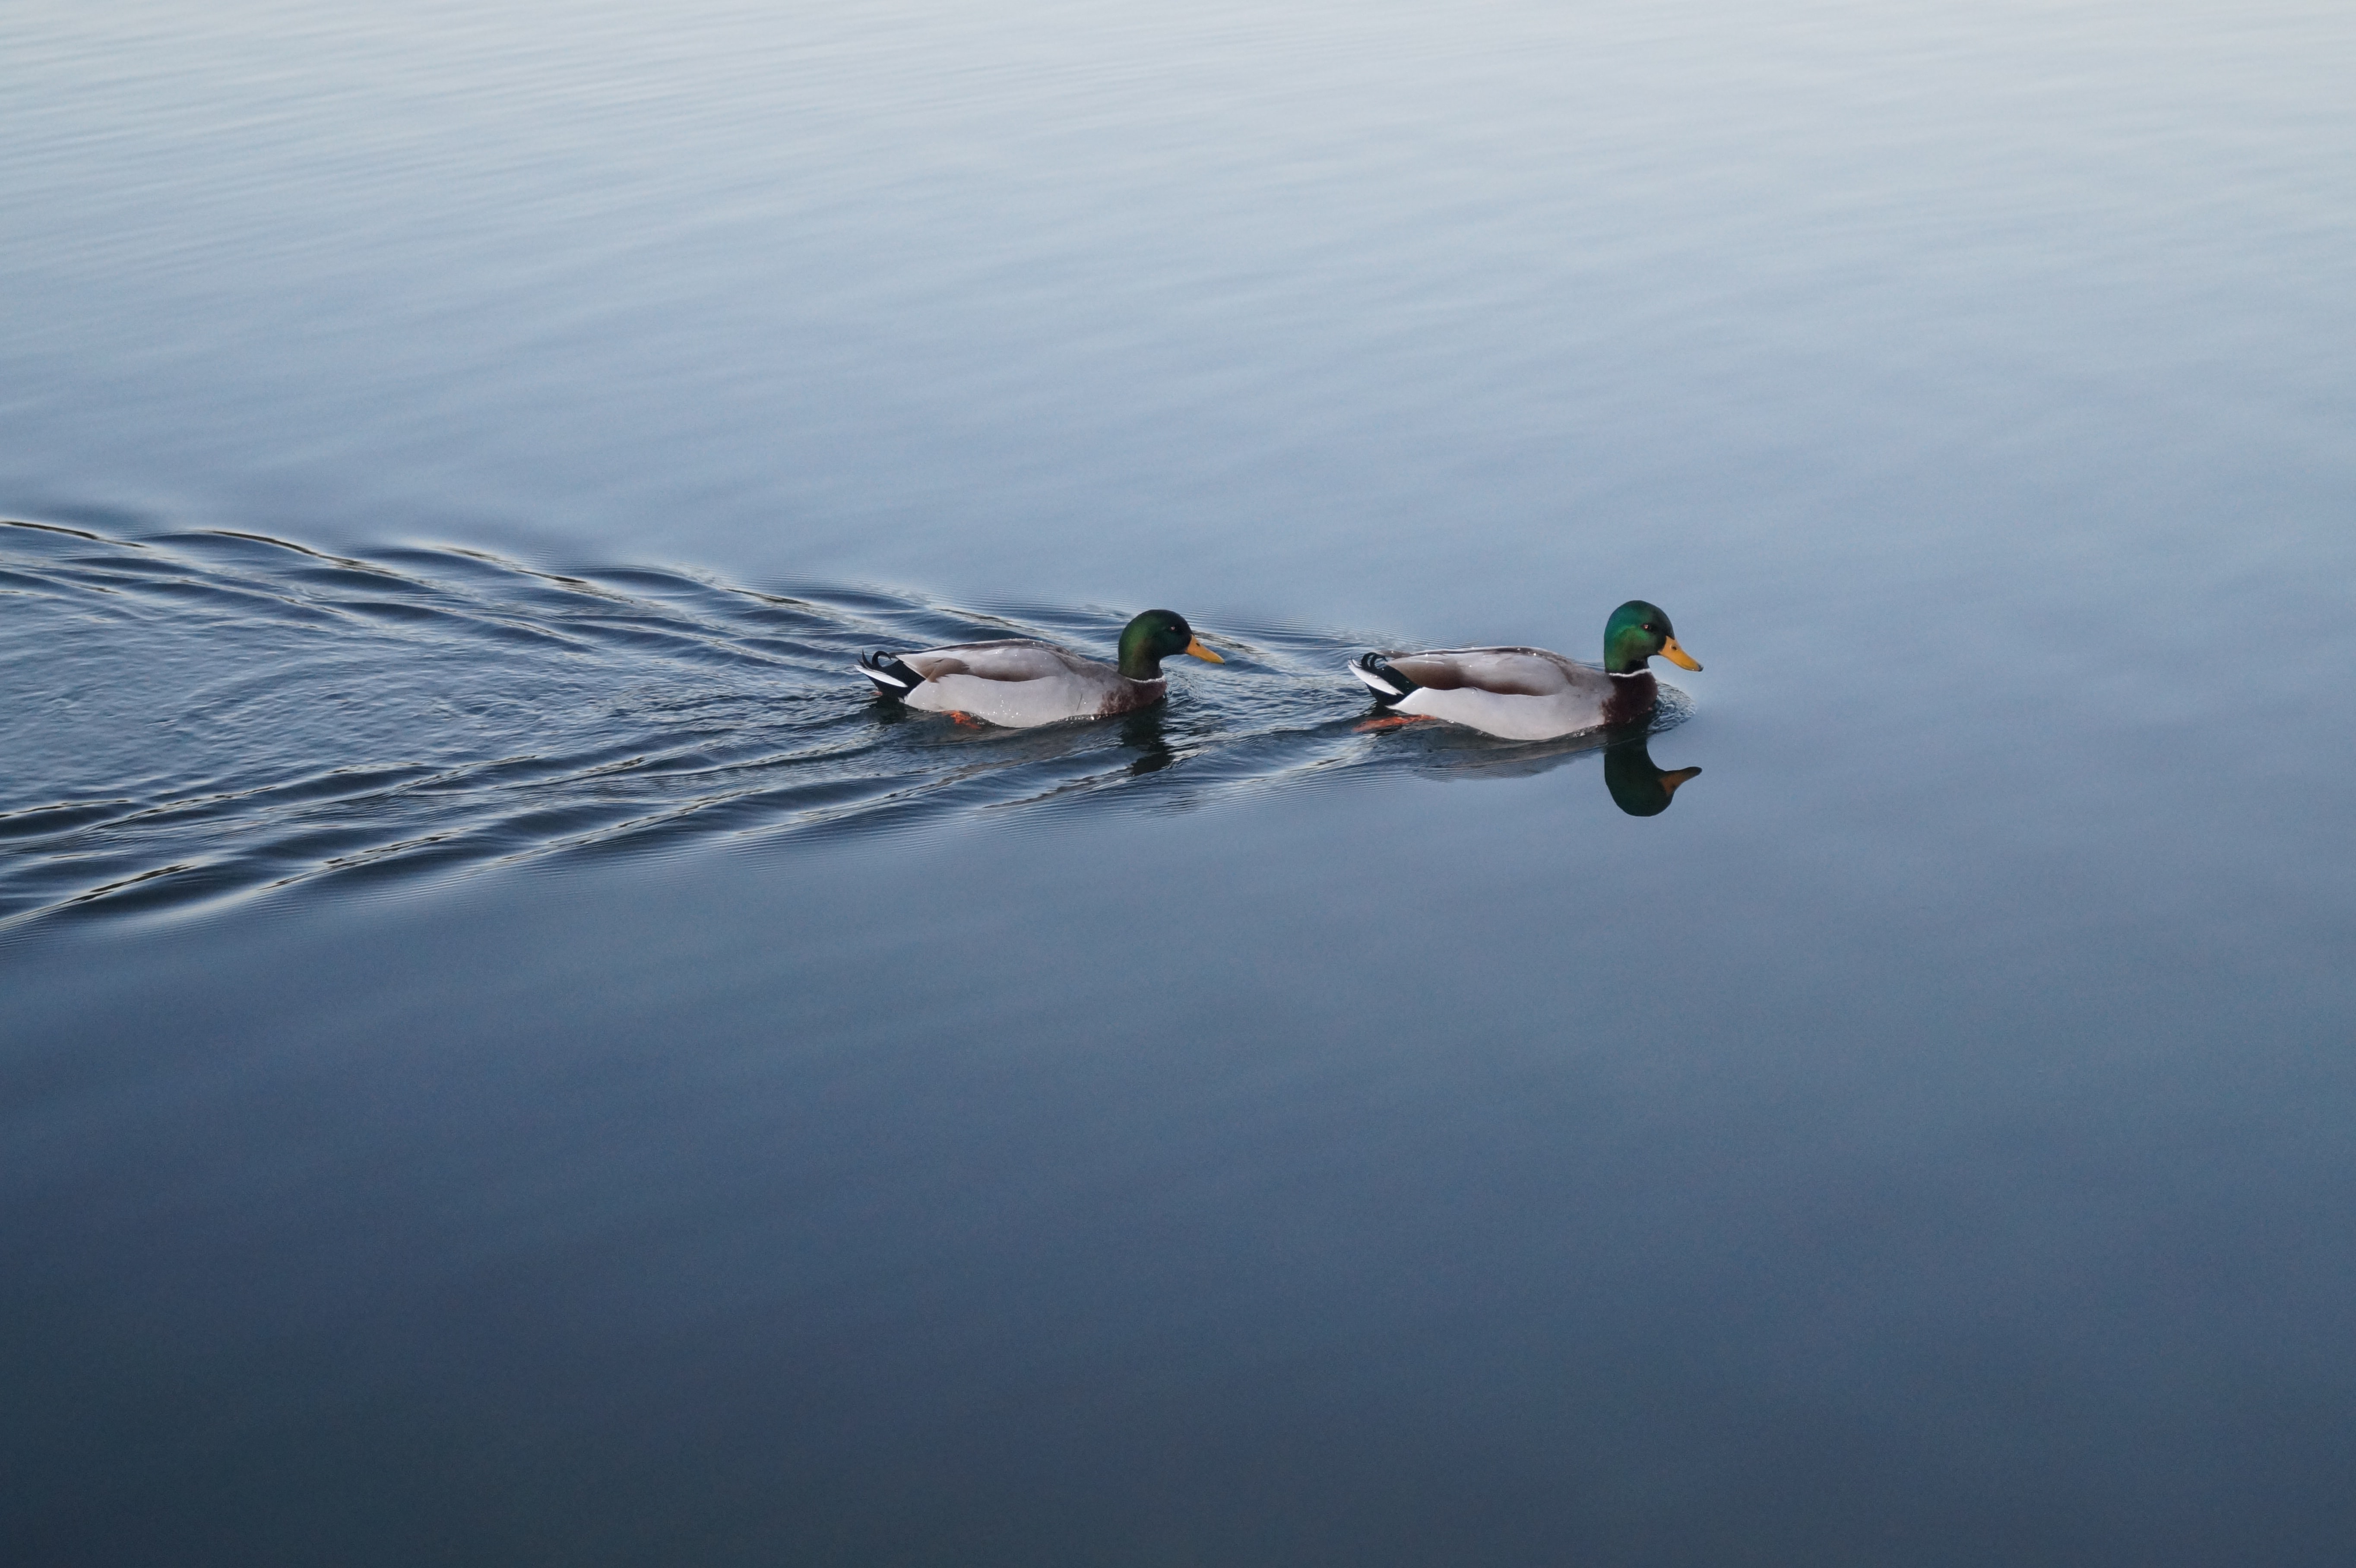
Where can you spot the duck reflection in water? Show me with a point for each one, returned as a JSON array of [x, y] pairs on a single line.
[[1638, 786], [1141, 733]]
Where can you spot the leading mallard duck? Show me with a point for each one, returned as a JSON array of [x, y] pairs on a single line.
[[1529, 694], [1019, 682]]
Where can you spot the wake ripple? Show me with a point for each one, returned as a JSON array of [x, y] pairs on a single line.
[[202, 716]]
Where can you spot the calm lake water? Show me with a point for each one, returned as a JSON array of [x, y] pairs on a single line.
[[508, 1056]]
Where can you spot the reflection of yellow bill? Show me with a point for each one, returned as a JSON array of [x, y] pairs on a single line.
[[1669, 651], [1669, 782], [1200, 652]]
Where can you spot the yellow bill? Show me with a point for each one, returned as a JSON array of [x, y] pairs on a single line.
[[1669, 651], [1200, 652]]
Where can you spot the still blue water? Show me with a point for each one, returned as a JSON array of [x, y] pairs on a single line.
[[508, 1055]]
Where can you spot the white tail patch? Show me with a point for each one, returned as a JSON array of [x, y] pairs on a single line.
[[1371, 678], [880, 678]]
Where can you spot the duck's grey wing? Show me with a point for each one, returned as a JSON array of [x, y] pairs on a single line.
[[1010, 659], [1507, 672]]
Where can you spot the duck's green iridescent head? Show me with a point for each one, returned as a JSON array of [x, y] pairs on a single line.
[[1635, 633], [1156, 636]]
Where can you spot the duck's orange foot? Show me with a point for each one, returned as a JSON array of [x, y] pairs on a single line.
[[968, 719], [1388, 722]]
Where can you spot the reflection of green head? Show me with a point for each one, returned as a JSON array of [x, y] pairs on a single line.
[[1156, 636], [1638, 787], [1635, 633]]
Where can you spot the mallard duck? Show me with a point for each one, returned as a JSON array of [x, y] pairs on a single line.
[[1019, 682], [1529, 694]]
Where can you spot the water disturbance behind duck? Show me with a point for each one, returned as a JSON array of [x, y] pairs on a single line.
[[202, 716]]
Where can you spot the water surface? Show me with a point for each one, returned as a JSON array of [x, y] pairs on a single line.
[[509, 1055]]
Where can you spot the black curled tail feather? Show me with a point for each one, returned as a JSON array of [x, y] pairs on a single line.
[[892, 677], [1382, 669]]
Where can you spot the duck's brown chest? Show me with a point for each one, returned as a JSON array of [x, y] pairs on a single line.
[[1129, 695], [1632, 699]]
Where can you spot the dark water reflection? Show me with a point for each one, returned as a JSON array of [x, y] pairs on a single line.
[[1638, 787]]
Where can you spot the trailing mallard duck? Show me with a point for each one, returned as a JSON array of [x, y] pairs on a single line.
[[1529, 694], [1019, 681]]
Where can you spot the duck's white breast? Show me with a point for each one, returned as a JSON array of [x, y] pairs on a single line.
[[1021, 704], [1509, 717]]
